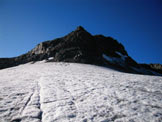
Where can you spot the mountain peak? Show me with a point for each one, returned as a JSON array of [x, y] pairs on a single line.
[[80, 28], [79, 34], [80, 46]]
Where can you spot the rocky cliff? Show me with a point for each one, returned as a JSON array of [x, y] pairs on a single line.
[[81, 47]]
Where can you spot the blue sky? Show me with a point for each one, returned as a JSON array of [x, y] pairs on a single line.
[[137, 24]]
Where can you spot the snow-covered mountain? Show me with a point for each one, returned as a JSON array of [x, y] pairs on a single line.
[[80, 46], [71, 92]]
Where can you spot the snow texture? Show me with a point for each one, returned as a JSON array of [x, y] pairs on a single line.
[[69, 92]]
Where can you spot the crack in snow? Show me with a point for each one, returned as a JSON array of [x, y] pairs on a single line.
[[32, 102], [27, 102], [40, 105]]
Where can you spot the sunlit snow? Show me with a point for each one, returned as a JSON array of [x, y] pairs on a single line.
[[69, 92]]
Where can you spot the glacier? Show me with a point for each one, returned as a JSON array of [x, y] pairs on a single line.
[[71, 92]]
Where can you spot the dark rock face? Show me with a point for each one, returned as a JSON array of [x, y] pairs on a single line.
[[81, 47], [154, 67]]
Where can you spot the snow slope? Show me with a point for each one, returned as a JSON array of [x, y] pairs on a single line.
[[69, 92]]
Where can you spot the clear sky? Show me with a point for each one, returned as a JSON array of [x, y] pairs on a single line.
[[137, 24]]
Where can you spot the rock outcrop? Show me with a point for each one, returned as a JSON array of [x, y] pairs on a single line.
[[80, 46]]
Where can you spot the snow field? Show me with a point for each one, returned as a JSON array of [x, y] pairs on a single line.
[[69, 92]]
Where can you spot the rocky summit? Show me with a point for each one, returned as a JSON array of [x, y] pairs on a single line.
[[80, 46]]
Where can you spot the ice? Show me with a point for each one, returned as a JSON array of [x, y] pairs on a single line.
[[122, 56], [50, 58], [70, 92], [110, 59], [115, 60]]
